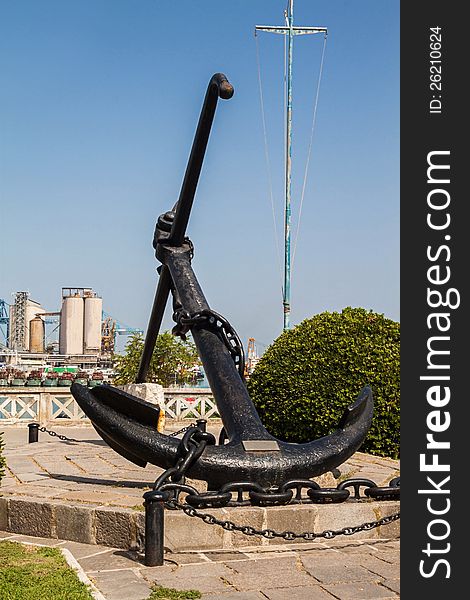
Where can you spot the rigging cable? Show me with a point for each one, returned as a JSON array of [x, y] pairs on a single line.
[[268, 162], [314, 118], [50, 334], [284, 114]]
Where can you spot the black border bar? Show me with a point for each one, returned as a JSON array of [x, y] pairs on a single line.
[[435, 437]]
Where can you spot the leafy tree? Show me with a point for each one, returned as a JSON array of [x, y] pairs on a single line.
[[307, 377], [171, 361]]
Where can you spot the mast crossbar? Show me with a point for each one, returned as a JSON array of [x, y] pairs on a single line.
[[295, 30]]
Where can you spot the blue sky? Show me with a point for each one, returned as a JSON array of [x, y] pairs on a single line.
[[99, 100]]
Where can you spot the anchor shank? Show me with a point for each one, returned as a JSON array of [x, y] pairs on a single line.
[[239, 416], [219, 86]]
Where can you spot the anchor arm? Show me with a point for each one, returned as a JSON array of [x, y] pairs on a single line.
[[135, 438]]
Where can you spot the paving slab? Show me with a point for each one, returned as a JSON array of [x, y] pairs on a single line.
[[82, 551], [360, 591], [300, 593], [204, 584], [380, 567], [236, 596], [279, 573], [121, 585], [324, 571], [111, 560], [392, 584]]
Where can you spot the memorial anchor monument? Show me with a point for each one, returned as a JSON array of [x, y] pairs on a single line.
[[251, 453]]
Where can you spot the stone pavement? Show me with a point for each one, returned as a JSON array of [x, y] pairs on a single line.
[[345, 569], [85, 492], [93, 473]]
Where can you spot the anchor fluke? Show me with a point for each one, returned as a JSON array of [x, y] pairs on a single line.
[[134, 435], [353, 413]]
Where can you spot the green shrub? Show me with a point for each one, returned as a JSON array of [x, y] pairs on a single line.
[[308, 376]]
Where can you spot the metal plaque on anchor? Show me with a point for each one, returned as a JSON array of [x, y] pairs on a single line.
[[260, 445]]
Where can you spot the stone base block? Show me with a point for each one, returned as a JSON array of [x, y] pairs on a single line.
[[125, 528]]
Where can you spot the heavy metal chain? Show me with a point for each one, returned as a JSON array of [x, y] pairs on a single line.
[[63, 438], [286, 535], [192, 445], [290, 492], [219, 324]]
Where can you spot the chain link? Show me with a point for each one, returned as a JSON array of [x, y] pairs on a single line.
[[191, 446], [63, 438], [286, 535], [183, 430], [219, 324]]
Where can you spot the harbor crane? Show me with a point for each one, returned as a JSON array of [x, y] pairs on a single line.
[[110, 328]]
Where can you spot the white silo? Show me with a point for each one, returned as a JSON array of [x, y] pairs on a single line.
[[92, 324], [71, 325]]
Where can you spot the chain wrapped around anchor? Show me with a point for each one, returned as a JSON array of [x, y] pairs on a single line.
[[210, 319], [247, 493], [193, 444], [191, 447]]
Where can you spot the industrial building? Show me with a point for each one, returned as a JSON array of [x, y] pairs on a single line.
[[80, 322], [86, 334], [22, 313]]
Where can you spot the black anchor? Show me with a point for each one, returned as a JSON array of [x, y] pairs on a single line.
[[252, 454]]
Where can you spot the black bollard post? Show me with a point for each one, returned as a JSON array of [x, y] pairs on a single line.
[[201, 424], [154, 531], [33, 432]]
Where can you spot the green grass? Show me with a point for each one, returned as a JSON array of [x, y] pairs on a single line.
[[40, 573], [163, 593], [37, 573]]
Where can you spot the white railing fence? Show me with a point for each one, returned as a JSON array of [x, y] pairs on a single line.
[[57, 405]]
